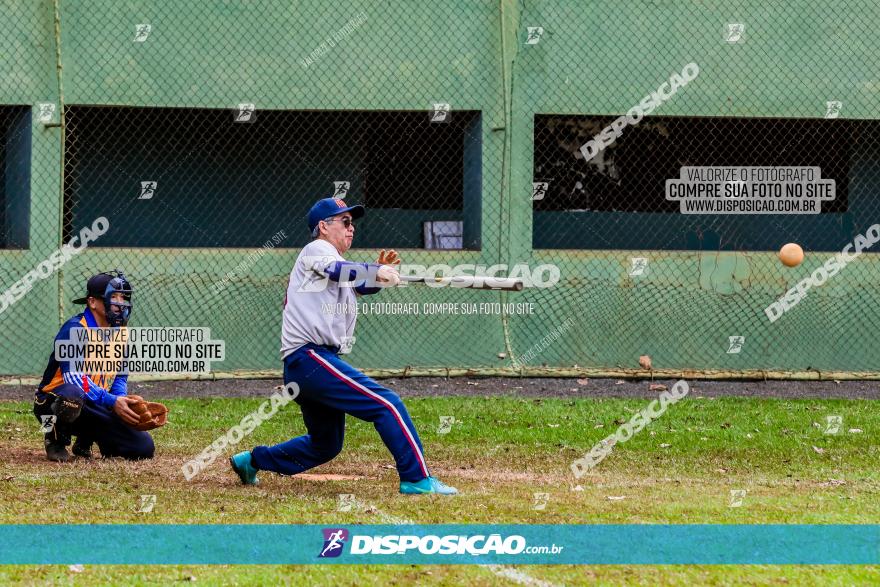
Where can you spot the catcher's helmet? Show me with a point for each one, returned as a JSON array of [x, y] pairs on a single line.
[[102, 286]]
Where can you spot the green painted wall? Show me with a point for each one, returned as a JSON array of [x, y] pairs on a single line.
[[601, 58], [28, 71], [594, 58]]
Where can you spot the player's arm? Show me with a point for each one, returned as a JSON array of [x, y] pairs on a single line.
[[387, 273], [362, 275], [382, 272], [91, 391], [368, 278], [74, 375], [119, 403], [120, 385]]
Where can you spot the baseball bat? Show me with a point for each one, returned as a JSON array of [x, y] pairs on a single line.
[[469, 281], [463, 281]]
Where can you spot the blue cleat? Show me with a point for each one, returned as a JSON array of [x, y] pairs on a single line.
[[427, 485], [241, 464]]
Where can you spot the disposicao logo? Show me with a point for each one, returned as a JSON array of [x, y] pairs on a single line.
[[473, 545], [432, 544], [334, 541]]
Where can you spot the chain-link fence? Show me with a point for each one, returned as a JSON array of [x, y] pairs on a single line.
[[749, 86], [476, 134]]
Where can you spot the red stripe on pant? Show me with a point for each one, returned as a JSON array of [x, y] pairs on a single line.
[[364, 391]]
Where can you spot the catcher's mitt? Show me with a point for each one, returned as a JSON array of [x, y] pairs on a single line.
[[152, 414]]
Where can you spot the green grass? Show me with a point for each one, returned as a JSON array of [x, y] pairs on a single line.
[[499, 453]]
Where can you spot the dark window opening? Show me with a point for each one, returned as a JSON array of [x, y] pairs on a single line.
[[15, 176], [197, 178], [617, 199]]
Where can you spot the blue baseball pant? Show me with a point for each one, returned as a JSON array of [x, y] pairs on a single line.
[[330, 388]]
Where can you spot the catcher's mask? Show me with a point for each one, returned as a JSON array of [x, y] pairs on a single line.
[[117, 312], [103, 286]]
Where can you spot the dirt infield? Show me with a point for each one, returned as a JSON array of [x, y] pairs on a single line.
[[510, 386]]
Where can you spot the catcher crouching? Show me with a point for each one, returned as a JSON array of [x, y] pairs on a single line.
[[95, 407]]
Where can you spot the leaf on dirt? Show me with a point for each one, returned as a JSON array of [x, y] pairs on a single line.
[[583, 381], [619, 382], [656, 387], [8, 478]]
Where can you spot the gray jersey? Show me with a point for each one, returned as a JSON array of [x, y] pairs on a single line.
[[316, 309]]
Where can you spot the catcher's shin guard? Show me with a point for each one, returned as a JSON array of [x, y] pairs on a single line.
[[67, 409], [56, 434]]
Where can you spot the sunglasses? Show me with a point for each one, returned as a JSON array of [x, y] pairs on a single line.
[[346, 222]]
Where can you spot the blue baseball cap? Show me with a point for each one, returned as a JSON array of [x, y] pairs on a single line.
[[328, 207]]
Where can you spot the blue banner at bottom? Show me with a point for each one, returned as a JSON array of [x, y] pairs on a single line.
[[440, 544]]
